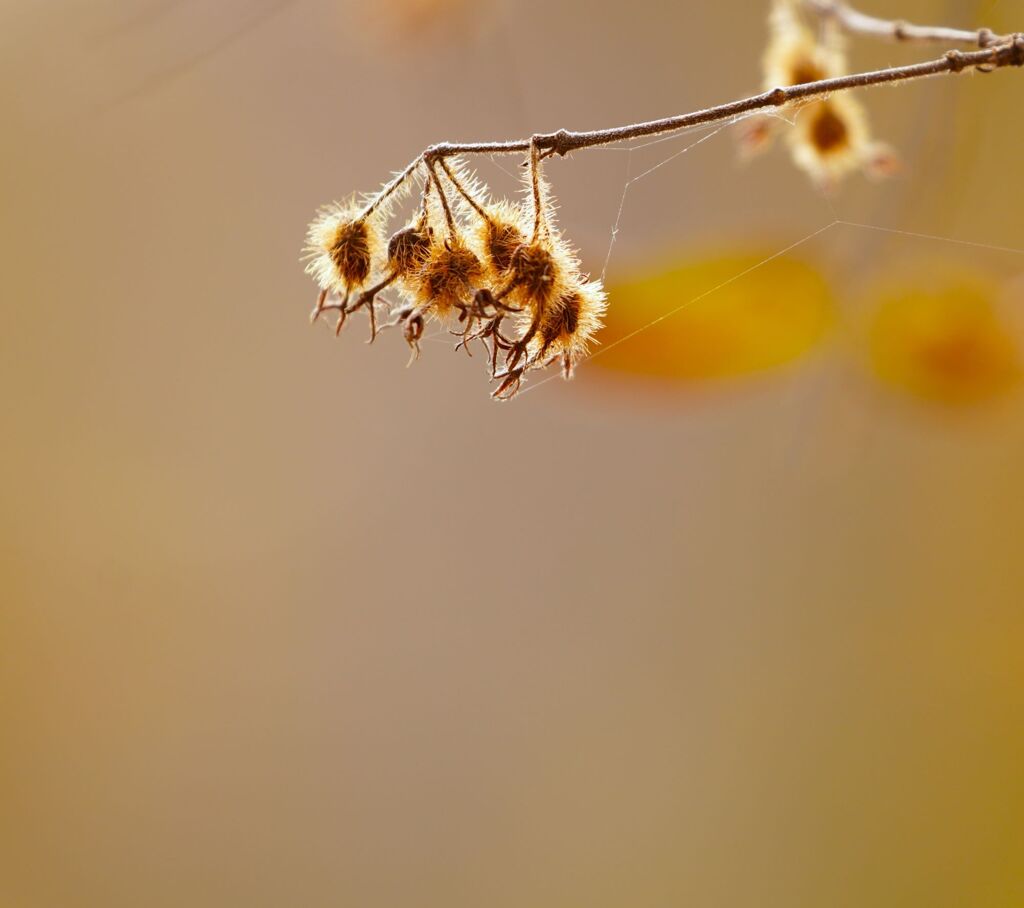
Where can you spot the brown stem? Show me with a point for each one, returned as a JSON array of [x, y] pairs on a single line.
[[562, 142], [995, 53], [465, 193], [538, 204], [449, 218], [859, 23], [390, 188]]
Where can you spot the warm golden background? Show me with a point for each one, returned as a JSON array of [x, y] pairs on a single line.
[[284, 623]]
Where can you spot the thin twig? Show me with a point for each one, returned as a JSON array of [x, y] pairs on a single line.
[[538, 204], [1008, 52], [390, 188], [859, 23], [562, 142], [443, 196], [465, 193]]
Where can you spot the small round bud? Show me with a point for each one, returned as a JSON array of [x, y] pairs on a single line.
[[535, 273], [503, 240], [449, 277], [498, 235], [408, 250]]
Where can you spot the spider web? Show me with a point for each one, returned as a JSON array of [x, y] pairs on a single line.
[[833, 225], [692, 139]]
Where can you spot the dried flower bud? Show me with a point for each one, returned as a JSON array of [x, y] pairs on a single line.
[[540, 272], [535, 274], [499, 236], [449, 278], [408, 250], [831, 139], [796, 55], [341, 246], [569, 325]]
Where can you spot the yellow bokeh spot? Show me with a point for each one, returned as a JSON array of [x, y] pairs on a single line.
[[951, 346], [740, 314]]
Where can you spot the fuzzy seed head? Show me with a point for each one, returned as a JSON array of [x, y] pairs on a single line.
[[502, 241], [536, 273], [831, 139], [349, 249], [568, 326], [796, 55], [408, 250], [450, 277], [499, 236], [798, 59], [341, 247]]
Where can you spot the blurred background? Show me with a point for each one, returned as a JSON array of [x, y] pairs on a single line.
[[732, 619]]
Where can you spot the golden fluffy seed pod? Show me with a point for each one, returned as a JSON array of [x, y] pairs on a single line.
[[537, 275], [498, 235], [568, 326], [350, 252], [341, 246], [408, 250], [797, 60], [796, 54], [501, 242], [831, 139], [450, 277]]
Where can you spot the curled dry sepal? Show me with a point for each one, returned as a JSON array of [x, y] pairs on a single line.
[[497, 274]]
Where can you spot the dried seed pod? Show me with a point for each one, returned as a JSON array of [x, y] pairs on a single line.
[[569, 325], [342, 246], [540, 271], [563, 332], [535, 274], [796, 54], [408, 250], [499, 227], [449, 278], [499, 235], [831, 139]]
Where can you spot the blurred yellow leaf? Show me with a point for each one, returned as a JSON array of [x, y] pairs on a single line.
[[730, 324], [951, 345]]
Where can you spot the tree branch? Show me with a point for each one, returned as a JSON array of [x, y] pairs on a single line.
[[859, 23], [1008, 53]]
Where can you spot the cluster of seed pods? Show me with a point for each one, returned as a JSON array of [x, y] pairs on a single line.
[[493, 272]]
